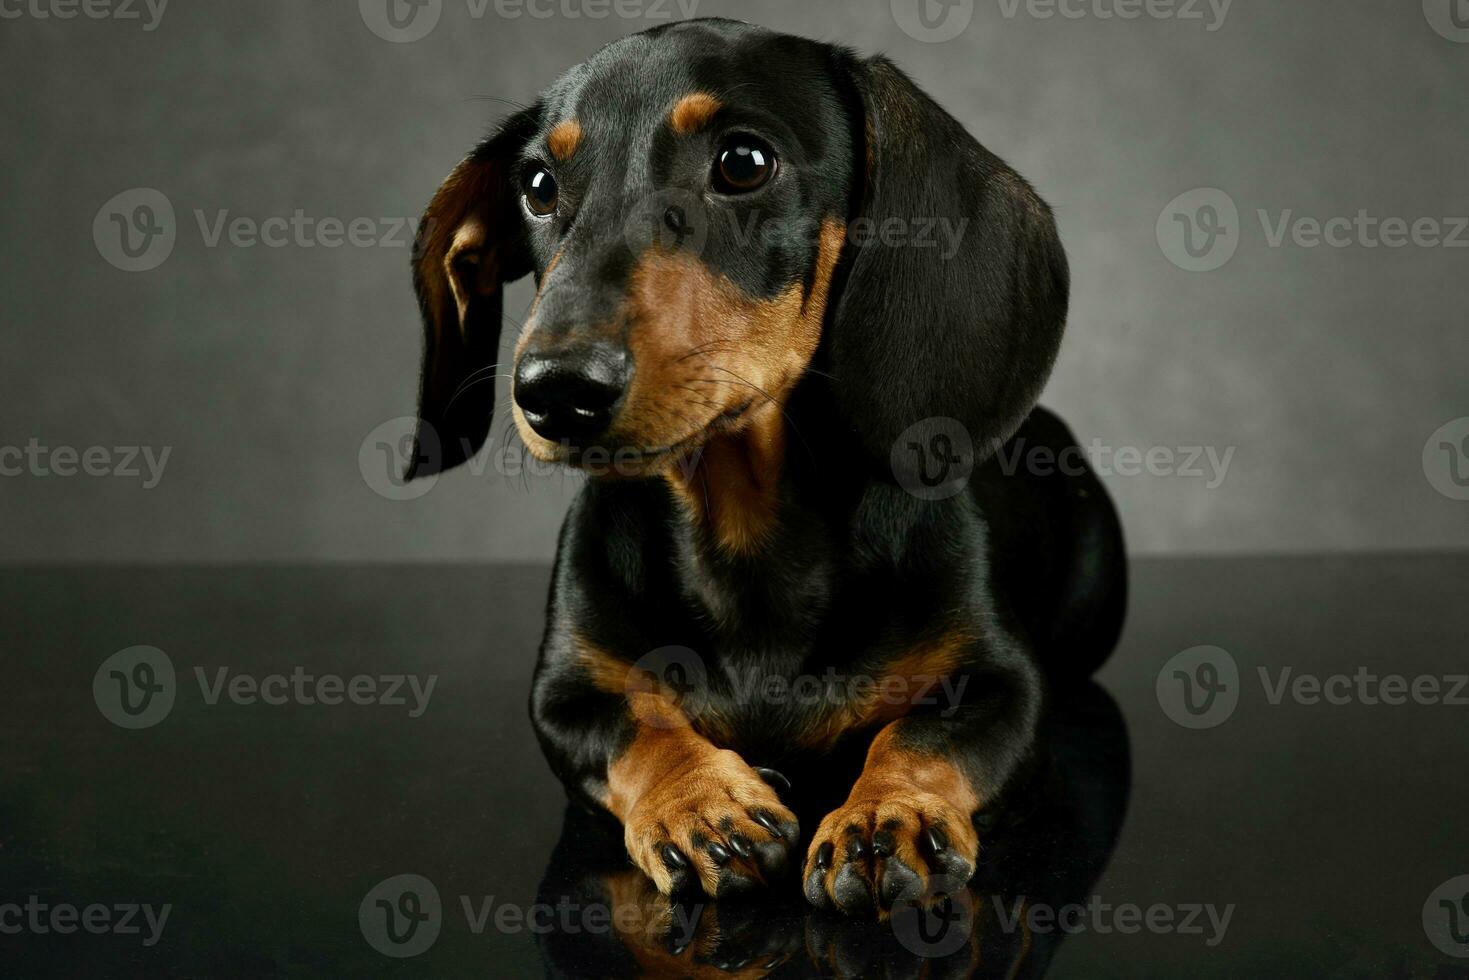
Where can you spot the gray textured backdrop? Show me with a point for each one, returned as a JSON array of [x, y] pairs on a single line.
[[263, 369]]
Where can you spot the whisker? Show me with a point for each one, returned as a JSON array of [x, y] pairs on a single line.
[[473, 380], [771, 399]]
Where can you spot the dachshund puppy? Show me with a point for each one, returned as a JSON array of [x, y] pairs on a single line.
[[817, 538]]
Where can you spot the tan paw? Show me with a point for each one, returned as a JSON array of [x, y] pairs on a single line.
[[711, 825], [880, 850]]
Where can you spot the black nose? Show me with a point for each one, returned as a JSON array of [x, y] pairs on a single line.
[[571, 394]]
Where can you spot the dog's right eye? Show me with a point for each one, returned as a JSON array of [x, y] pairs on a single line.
[[540, 192]]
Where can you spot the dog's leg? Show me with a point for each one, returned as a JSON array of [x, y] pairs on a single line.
[[912, 813], [695, 817]]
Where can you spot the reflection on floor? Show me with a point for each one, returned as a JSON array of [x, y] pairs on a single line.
[[617, 925]]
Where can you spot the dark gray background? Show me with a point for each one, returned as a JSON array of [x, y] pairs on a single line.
[[264, 369]]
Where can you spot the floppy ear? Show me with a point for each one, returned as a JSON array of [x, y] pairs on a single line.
[[967, 328], [470, 243]]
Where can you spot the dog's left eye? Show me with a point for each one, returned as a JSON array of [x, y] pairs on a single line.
[[744, 164], [541, 194]]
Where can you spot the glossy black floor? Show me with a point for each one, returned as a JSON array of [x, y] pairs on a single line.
[[1270, 831]]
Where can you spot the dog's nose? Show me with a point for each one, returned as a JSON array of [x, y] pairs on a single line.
[[571, 394]]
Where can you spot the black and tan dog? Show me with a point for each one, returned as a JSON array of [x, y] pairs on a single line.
[[763, 382]]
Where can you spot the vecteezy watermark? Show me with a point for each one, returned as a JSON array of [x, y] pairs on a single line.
[[1205, 463], [942, 920], [1126, 918], [1200, 230], [136, 231], [299, 687], [933, 459], [1450, 18], [675, 219], [1210, 13], [63, 918], [1446, 459], [1201, 687], [1446, 917], [933, 21], [149, 13], [939, 922], [137, 688], [35, 459], [679, 677], [402, 916], [385, 452], [383, 455], [405, 21]]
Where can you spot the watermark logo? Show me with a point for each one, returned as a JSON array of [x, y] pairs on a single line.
[[1126, 918], [1450, 18], [122, 10], [932, 459], [1446, 917], [1199, 230], [672, 220], [385, 452], [656, 10], [933, 21], [677, 676], [401, 916], [939, 922], [135, 231], [39, 460], [1204, 463], [1446, 459], [135, 688], [401, 21], [41, 918], [1199, 688], [1212, 13]]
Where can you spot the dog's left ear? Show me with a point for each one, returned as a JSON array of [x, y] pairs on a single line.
[[955, 300], [470, 244]]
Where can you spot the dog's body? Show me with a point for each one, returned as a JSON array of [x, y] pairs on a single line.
[[774, 577]]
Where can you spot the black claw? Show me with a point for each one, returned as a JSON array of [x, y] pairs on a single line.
[[773, 778], [857, 849], [938, 841], [823, 856], [740, 844], [718, 852], [883, 844], [674, 858], [768, 824]]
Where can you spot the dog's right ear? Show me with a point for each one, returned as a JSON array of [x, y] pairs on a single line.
[[470, 244]]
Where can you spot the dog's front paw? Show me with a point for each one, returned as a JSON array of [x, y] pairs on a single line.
[[711, 825], [883, 847]]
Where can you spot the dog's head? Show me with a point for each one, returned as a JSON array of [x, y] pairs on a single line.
[[707, 208]]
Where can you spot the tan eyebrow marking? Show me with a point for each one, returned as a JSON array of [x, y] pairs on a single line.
[[564, 138], [693, 112]]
